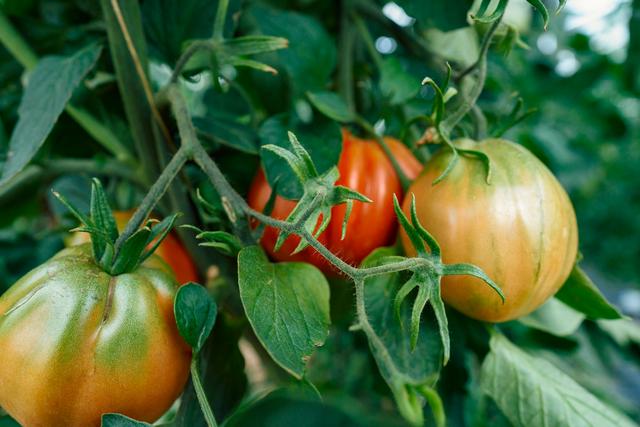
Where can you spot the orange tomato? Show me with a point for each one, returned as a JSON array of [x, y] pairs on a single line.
[[365, 168], [521, 228], [77, 342]]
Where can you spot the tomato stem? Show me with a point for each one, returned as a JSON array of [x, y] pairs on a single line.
[[200, 393]]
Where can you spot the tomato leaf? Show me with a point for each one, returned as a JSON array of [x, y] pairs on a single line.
[[119, 420], [554, 317], [580, 293], [287, 305], [331, 105], [50, 87], [446, 16], [396, 84], [531, 391], [195, 313]]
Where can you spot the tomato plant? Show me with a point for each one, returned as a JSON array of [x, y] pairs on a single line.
[[519, 227], [325, 278], [364, 167], [87, 343]]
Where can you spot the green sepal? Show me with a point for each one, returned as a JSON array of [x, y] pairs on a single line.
[[130, 254], [225, 243], [542, 9], [158, 233], [472, 270], [481, 15]]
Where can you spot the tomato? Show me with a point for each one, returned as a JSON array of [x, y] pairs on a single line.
[[363, 167], [170, 250], [77, 343], [520, 229]]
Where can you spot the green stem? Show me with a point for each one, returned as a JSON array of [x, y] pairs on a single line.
[[345, 64], [221, 15], [22, 52], [187, 54], [155, 193], [435, 403], [470, 100], [15, 44], [368, 40], [202, 397]]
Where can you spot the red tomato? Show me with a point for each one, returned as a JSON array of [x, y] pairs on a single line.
[[170, 250], [365, 168]]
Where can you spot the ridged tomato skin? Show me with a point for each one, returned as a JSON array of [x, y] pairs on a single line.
[[520, 228], [364, 167], [170, 250], [77, 343]]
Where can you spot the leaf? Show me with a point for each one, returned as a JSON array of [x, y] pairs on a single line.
[[554, 317], [195, 313], [311, 57], [531, 391], [331, 105], [580, 293], [119, 420], [542, 9], [287, 305], [445, 15], [395, 83], [168, 24], [623, 331], [321, 138], [50, 87], [227, 132], [461, 46]]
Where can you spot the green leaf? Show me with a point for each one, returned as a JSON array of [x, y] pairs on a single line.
[[7, 421], [402, 367], [222, 241], [321, 138], [228, 132], [195, 313], [554, 317], [50, 87], [331, 105], [623, 331], [445, 15], [309, 61], [119, 420], [287, 305], [580, 293], [461, 46], [397, 85], [531, 391], [169, 25]]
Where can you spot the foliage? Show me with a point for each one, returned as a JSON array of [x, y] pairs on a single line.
[[174, 106]]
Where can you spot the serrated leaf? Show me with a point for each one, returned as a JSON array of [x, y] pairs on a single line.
[[530, 391], [119, 420], [580, 293], [287, 305], [331, 105], [50, 87], [195, 313]]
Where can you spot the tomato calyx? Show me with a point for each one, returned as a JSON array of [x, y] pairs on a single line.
[[320, 195], [427, 278], [101, 226]]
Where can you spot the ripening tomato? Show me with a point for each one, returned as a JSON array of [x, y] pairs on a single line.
[[365, 168], [170, 250], [520, 228], [77, 342]]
